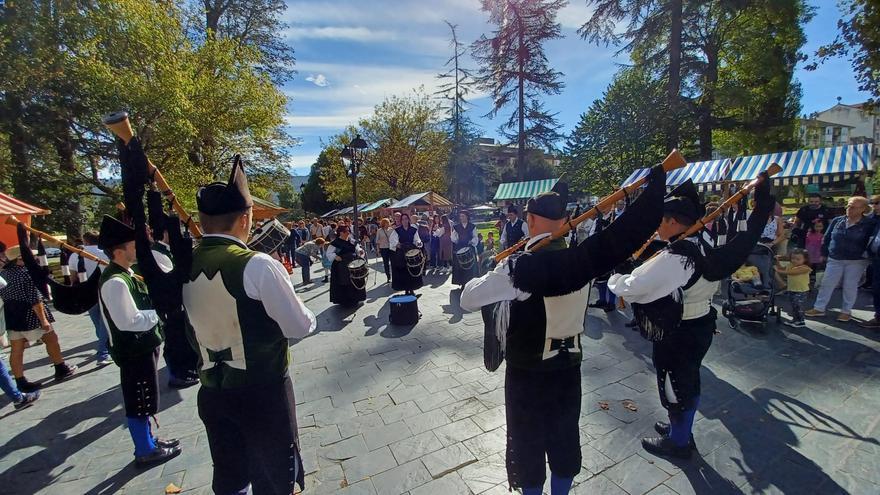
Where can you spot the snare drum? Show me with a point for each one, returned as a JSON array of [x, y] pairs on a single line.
[[357, 272], [269, 237], [415, 262], [465, 257]]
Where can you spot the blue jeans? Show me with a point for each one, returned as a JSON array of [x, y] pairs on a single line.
[[7, 384], [875, 267], [100, 332], [305, 263]]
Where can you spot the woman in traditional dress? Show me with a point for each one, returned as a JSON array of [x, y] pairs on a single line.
[[445, 234], [404, 238], [464, 235], [342, 252]]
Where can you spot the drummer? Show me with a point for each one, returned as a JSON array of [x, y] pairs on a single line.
[[464, 242], [341, 252], [407, 246]]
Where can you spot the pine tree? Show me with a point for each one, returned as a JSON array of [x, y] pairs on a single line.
[[515, 69]]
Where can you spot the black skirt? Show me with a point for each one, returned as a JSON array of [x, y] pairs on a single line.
[[140, 384], [401, 275], [342, 290]]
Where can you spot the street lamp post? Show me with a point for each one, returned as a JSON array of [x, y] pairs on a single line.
[[355, 153]]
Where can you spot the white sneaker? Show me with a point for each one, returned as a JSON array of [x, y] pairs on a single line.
[[104, 361]]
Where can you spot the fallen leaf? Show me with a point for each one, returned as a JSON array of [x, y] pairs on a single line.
[[603, 405], [172, 488], [343, 483], [630, 405]]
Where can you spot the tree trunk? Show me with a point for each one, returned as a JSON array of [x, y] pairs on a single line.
[[21, 165], [707, 103], [64, 145], [674, 84], [521, 102]]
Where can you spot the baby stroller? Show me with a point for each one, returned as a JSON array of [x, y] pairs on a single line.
[[753, 304]]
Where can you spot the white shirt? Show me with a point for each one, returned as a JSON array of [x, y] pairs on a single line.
[[73, 260], [656, 278], [454, 236], [266, 280], [394, 240], [495, 286], [3, 283], [330, 254], [117, 300], [525, 231]]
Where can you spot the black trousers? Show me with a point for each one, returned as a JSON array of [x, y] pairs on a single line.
[[543, 409], [180, 357], [140, 384], [253, 438], [386, 261], [679, 356]]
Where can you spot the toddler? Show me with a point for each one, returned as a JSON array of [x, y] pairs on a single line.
[[798, 286]]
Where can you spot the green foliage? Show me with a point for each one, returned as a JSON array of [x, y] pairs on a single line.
[[409, 151], [618, 134], [314, 198], [194, 102], [858, 40]]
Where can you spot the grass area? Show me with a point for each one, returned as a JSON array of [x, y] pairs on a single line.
[[486, 227]]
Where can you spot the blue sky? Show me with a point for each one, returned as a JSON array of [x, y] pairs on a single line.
[[351, 54]]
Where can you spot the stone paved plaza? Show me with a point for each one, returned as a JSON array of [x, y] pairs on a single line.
[[412, 410]]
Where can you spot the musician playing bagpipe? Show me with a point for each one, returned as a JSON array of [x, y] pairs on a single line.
[[671, 296], [541, 300], [406, 266], [348, 271], [242, 309], [134, 330], [464, 252]]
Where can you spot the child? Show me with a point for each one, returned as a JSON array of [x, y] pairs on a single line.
[[813, 244], [798, 274], [748, 279]]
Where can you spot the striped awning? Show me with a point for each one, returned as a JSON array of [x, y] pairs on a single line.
[[12, 206], [382, 203], [705, 175], [422, 199], [348, 211], [806, 166], [523, 190], [329, 214]]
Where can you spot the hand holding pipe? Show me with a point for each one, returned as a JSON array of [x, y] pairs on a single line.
[[673, 161], [119, 124]]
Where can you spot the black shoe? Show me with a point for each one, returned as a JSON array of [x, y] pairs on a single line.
[[325, 280], [63, 371], [168, 444], [158, 456], [27, 398], [632, 323], [178, 383], [609, 308], [596, 304], [663, 446], [662, 428], [25, 387]]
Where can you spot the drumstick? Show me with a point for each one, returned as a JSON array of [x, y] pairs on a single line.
[[672, 161], [118, 123]]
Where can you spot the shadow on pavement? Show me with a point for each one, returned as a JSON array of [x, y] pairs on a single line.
[[454, 306]]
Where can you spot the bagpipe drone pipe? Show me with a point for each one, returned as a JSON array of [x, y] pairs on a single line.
[[68, 299], [165, 288]]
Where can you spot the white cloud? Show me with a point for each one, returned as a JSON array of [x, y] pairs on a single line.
[[362, 34], [341, 118], [318, 80]]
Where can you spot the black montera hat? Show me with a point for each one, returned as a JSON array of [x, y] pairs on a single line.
[[551, 204], [219, 198], [113, 233], [684, 201]]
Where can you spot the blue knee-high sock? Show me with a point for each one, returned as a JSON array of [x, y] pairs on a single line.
[[560, 486], [681, 425], [537, 490], [139, 429]]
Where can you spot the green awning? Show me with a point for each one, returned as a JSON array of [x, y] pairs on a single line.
[[523, 190]]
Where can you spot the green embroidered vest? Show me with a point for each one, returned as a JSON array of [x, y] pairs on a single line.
[[124, 345], [239, 343]]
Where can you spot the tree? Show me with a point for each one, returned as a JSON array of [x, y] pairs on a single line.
[[456, 84], [858, 40], [618, 134], [314, 197], [514, 68], [654, 31], [409, 151]]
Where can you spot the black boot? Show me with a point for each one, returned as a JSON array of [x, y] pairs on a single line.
[[63, 371], [157, 456], [24, 386], [664, 446], [632, 323]]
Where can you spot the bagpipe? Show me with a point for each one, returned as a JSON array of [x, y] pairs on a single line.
[[672, 162], [663, 314], [68, 299]]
